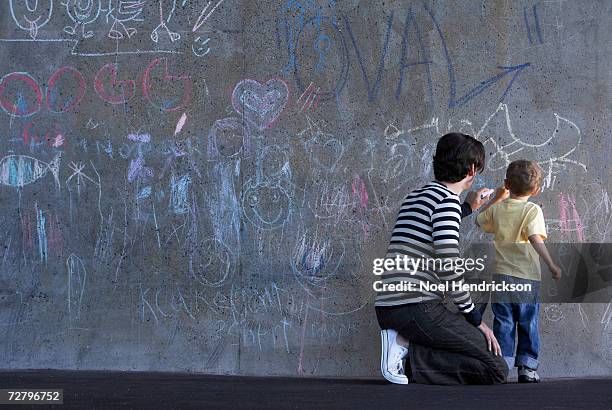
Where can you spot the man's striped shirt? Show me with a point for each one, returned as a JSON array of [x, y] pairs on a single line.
[[427, 228]]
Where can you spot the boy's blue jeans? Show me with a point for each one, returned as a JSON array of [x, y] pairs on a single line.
[[517, 312]]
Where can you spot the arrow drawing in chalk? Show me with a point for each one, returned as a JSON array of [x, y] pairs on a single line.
[[202, 18], [453, 101], [486, 84]]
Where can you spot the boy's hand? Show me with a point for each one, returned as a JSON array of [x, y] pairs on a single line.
[[556, 272], [501, 193]]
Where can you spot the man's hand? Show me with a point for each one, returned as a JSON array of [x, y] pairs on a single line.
[[556, 271], [475, 199], [491, 340]]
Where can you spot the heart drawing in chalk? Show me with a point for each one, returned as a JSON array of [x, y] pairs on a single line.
[[260, 104], [325, 150]]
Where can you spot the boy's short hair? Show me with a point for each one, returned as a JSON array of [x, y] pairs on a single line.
[[523, 177], [455, 155]]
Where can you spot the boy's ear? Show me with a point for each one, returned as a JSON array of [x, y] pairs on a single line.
[[505, 183]]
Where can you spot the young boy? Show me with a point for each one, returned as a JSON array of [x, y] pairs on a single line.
[[516, 222]]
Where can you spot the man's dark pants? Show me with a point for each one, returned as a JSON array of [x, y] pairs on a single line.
[[444, 347]]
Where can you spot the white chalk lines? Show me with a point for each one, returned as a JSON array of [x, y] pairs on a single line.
[[117, 21]]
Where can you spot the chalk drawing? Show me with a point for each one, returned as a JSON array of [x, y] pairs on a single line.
[[229, 137], [144, 138], [144, 193], [21, 170], [273, 164], [400, 160], [110, 89], [322, 46], [324, 149], [360, 193], [392, 132], [16, 89], [371, 87], [204, 15], [294, 15], [180, 124], [137, 169], [426, 168], [570, 220], [50, 133], [81, 177], [536, 35], [21, 95], [265, 204], [517, 148], [77, 277], [54, 236], [121, 12], [260, 104], [596, 205], [553, 312], [309, 98], [164, 19], [82, 13], [331, 201], [311, 45], [224, 206], [212, 263], [199, 46], [316, 258], [179, 194], [506, 71], [31, 15], [421, 60], [75, 78], [153, 83], [17, 104], [41, 228]]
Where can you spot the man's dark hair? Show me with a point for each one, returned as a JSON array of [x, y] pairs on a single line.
[[455, 155]]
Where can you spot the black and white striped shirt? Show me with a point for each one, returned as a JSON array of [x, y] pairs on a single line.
[[427, 226]]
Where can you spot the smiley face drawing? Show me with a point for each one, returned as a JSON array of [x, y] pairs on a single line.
[[228, 137], [30, 15], [200, 47], [553, 312], [266, 205], [212, 263]]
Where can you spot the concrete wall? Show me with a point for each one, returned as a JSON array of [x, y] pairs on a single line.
[[208, 194]]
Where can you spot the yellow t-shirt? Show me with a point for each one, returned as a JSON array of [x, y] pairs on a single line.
[[513, 221]]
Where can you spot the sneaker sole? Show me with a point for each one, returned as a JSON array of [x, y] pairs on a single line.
[[523, 379], [383, 362]]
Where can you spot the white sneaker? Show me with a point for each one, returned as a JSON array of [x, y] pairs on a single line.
[[528, 375], [391, 358]]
